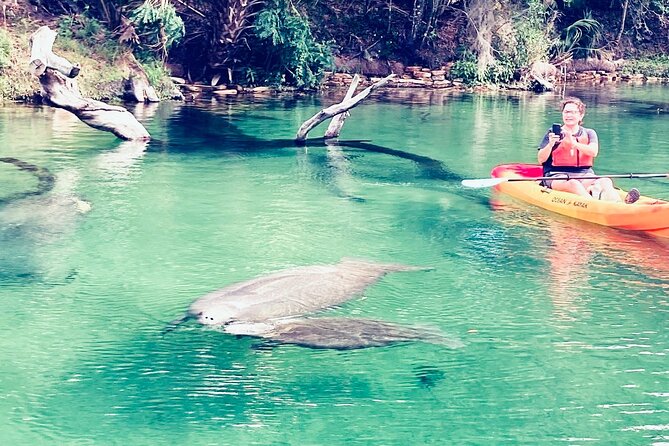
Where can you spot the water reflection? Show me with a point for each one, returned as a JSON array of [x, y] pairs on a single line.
[[575, 249], [568, 256], [342, 171], [64, 122], [120, 162]]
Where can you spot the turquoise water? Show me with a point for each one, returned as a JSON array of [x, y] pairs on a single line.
[[563, 323]]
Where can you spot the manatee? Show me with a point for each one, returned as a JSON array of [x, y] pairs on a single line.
[[290, 292], [339, 332]]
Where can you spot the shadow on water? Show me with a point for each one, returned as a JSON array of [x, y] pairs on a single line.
[[33, 218], [205, 132], [45, 179], [16, 263], [193, 376], [210, 134]]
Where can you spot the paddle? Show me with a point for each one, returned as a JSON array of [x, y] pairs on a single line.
[[490, 182]]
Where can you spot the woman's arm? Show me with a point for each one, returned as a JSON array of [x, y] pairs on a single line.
[[545, 151]]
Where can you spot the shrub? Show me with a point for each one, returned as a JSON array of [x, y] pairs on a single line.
[[292, 54], [158, 27], [649, 66], [5, 49]]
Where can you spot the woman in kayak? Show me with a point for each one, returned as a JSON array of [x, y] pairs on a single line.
[[572, 151]]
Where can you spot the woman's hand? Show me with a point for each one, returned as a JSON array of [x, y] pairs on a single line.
[[553, 139], [568, 139]]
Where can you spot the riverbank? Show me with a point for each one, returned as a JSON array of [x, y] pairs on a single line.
[[105, 73], [415, 78]]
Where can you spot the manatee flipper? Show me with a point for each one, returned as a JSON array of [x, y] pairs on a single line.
[[176, 323]]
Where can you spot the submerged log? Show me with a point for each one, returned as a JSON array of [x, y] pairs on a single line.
[[337, 109], [59, 89]]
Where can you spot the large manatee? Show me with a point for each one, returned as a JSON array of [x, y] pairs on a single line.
[[339, 332], [290, 292]]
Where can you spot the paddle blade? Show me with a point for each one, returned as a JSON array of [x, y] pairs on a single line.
[[484, 182]]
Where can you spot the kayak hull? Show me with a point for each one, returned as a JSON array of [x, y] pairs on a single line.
[[647, 214]]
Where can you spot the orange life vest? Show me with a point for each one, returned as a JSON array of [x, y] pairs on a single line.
[[567, 155]]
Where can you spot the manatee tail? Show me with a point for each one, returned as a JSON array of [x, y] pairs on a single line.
[[385, 267], [437, 337]]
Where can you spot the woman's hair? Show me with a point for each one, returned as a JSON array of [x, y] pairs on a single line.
[[576, 101], [573, 100]]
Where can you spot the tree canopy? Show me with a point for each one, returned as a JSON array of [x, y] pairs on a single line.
[[292, 42]]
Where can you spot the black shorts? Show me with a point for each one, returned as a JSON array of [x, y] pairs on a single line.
[[554, 173]]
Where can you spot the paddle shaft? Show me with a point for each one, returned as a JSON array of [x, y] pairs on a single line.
[[566, 176], [490, 182]]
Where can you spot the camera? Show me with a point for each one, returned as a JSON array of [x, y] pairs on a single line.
[[557, 129]]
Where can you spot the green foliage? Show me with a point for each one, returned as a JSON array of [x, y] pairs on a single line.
[[80, 33], [16, 83], [534, 28], [82, 27], [506, 43], [465, 69], [250, 76], [158, 27], [649, 66], [155, 70], [292, 54], [582, 38], [500, 72], [159, 77], [5, 49]]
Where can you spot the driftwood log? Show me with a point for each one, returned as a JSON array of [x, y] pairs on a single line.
[[337, 109], [59, 88]]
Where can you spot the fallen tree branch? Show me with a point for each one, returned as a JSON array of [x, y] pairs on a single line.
[[336, 109], [117, 120], [337, 122], [42, 56], [60, 90]]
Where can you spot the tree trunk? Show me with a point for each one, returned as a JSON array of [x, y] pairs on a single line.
[[622, 20], [336, 109], [61, 91]]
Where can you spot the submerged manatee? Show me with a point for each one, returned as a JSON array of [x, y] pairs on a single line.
[[290, 292], [339, 333]]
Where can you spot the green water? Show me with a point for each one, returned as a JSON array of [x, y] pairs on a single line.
[[563, 323]]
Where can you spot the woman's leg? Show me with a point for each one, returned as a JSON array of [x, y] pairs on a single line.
[[573, 186], [609, 193]]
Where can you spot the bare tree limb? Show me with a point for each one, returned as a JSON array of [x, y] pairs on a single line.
[[337, 122], [42, 56], [63, 92], [336, 109], [60, 92]]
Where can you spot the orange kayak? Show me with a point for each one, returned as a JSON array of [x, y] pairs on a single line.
[[647, 214]]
